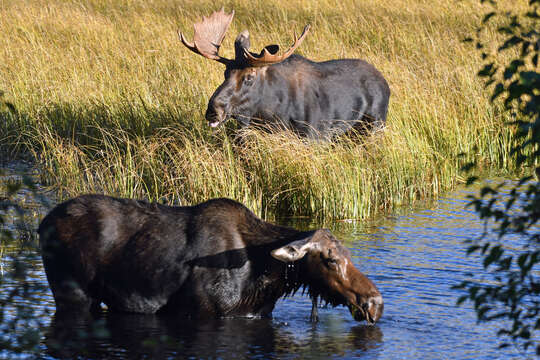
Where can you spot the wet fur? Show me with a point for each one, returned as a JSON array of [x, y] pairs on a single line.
[[208, 260]]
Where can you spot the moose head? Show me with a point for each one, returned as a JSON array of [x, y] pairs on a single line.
[[234, 97], [329, 272]]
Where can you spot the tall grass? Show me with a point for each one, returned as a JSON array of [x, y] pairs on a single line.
[[107, 99]]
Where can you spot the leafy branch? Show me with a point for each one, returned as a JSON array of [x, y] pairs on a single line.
[[512, 208]]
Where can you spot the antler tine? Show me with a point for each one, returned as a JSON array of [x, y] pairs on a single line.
[[267, 57], [209, 34]]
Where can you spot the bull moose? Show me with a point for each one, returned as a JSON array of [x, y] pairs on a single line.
[[314, 99], [214, 259]]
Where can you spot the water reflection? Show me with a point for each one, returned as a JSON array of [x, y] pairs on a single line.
[[414, 258], [157, 337]]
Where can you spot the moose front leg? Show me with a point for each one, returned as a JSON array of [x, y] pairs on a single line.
[[314, 312]]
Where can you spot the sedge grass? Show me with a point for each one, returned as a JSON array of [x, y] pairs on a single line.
[[107, 100]]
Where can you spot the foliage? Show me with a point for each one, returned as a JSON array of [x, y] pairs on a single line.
[[512, 208], [20, 324]]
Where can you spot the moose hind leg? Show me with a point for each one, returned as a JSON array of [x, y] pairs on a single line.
[[70, 297], [71, 293]]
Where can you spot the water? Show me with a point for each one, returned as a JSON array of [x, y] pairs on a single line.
[[414, 259]]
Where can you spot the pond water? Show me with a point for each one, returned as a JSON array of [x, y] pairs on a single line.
[[414, 259]]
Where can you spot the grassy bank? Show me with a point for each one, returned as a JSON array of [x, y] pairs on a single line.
[[107, 99]]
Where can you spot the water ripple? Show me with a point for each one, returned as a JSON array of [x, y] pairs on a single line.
[[414, 259]]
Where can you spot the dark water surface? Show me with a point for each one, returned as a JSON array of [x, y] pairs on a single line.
[[413, 258]]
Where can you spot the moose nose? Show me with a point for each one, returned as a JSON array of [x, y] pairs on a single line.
[[375, 307], [212, 116], [369, 309], [215, 114]]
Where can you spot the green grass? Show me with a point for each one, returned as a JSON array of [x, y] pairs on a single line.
[[106, 99]]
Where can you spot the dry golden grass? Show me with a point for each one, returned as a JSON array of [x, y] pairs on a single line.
[[109, 101]]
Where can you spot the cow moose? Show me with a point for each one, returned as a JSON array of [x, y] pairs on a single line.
[[318, 100], [214, 259]]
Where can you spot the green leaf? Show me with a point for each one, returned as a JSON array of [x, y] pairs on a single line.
[[530, 79], [513, 41], [522, 259], [487, 190], [484, 248], [471, 180], [487, 70], [488, 16], [499, 89], [468, 166], [472, 249], [461, 300], [504, 264], [493, 256], [482, 311]]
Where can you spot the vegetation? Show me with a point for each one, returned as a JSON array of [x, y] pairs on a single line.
[[103, 96], [20, 322], [107, 100], [514, 208]]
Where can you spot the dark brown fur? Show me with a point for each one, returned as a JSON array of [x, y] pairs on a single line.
[[213, 259], [314, 99]]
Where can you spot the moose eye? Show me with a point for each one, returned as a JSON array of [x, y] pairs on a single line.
[[329, 262], [248, 79]]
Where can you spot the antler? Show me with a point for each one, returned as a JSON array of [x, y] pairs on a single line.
[[269, 55], [209, 34]]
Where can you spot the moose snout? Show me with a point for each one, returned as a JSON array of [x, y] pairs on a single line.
[[215, 114], [364, 300], [374, 309], [369, 310]]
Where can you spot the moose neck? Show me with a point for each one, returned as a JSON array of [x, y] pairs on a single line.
[[273, 279], [294, 276], [290, 278]]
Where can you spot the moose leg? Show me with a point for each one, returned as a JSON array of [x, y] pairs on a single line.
[[71, 297], [69, 287], [314, 312]]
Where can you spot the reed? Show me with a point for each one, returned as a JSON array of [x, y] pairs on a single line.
[[107, 100]]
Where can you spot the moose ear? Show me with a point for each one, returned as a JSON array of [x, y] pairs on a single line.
[[241, 44], [294, 251]]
